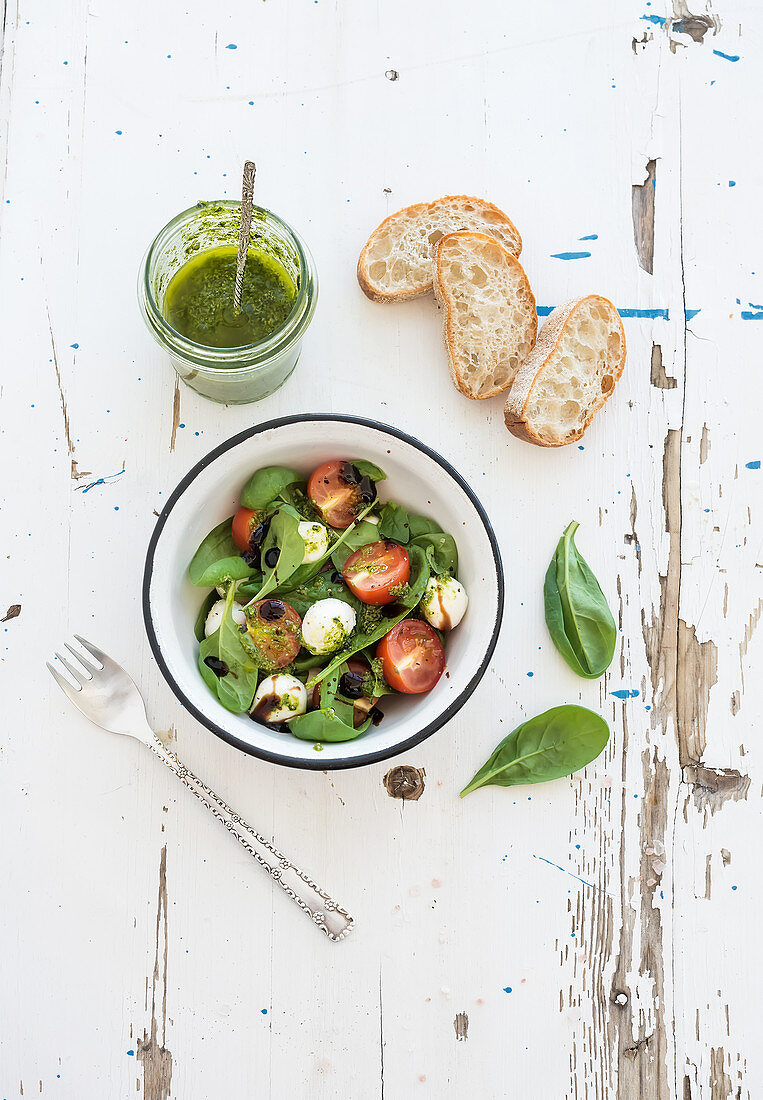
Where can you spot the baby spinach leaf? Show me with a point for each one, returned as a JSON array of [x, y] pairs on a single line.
[[374, 622], [201, 619], [558, 742], [577, 613], [325, 725], [296, 496], [223, 651], [267, 484], [283, 535], [306, 572], [218, 559], [320, 587], [367, 469], [356, 536], [422, 525], [441, 551], [394, 523]]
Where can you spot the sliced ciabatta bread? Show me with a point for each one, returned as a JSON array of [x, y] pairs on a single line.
[[569, 374], [396, 261], [489, 315]]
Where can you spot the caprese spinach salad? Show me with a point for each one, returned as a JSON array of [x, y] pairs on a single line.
[[322, 600]]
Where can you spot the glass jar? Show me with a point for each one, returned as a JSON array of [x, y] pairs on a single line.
[[229, 375]]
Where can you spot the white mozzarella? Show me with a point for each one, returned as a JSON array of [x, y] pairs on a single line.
[[215, 616], [316, 539], [444, 602], [280, 697], [327, 625]]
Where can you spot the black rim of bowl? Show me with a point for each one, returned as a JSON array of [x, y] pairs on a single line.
[[349, 761]]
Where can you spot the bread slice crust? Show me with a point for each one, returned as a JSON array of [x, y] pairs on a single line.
[[519, 415], [395, 264], [486, 345]]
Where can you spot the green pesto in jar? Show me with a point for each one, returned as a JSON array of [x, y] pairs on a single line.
[[198, 302]]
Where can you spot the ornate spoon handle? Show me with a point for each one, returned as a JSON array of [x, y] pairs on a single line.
[[324, 912], [245, 229]]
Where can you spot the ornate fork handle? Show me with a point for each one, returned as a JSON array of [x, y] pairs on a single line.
[[324, 912]]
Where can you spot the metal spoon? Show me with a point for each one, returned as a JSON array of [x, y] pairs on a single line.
[[245, 228]]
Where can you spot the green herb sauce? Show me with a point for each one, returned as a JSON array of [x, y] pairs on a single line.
[[199, 299]]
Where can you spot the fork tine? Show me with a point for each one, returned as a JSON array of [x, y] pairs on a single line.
[[85, 664], [93, 650], [78, 676], [65, 686]]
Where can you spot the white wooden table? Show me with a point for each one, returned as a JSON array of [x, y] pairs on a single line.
[[595, 937]]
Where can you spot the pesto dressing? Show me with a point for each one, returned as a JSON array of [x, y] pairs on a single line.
[[198, 302]]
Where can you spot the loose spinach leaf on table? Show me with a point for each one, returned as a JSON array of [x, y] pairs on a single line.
[[368, 469], [226, 667], [218, 559], [201, 619], [577, 613], [441, 551], [553, 744], [267, 485], [371, 627]]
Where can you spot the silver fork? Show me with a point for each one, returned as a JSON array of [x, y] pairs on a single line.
[[106, 695]]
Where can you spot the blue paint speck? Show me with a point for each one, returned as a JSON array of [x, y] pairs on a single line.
[[752, 465], [530, 673], [732, 183], [116, 507], [656, 19], [118, 132], [131, 1053], [231, 46], [589, 237], [570, 255], [733, 887], [507, 989], [264, 1011], [718, 53], [75, 346], [625, 693]]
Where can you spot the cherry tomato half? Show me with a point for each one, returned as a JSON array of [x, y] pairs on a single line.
[[351, 687], [412, 657], [244, 522], [375, 570], [274, 628], [339, 492]]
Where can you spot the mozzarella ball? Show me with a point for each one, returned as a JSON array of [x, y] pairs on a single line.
[[215, 616], [280, 697], [316, 539], [444, 602], [327, 625]]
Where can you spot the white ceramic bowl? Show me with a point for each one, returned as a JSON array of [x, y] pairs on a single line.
[[416, 477]]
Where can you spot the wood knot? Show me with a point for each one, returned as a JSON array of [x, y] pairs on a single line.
[[461, 1026], [405, 782]]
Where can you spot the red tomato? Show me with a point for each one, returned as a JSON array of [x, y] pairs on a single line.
[[339, 492], [412, 657], [275, 629], [372, 572], [244, 521]]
